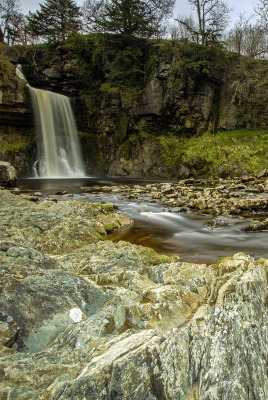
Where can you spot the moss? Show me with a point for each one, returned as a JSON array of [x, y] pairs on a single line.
[[227, 153], [125, 150], [102, 163], [108, 89], [6, 67], [123, 124], [19, 146], [171, 152], [107, 207], [11, 141]]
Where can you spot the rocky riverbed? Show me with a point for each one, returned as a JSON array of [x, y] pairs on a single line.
[[246, 197], [86, 318]]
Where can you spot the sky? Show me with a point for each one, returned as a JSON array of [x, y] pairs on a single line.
[[182, 7]]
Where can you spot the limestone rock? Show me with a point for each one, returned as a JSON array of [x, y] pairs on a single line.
[[54, 72], [110, 320], [9, 330], [15, 104], [257, 226], [8, 174], [152, 99], [56, 227]]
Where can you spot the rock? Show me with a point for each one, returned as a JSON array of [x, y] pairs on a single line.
[[145, 161], [170, 330], [9, 330], [15, 103], [262, 173], [151, 101], [54, 72], [8, 174], [72, 223], [257, 226], [232, 198], [103, 320]]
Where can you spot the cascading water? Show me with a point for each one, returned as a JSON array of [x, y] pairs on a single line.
[[59, 150], [59, 154]]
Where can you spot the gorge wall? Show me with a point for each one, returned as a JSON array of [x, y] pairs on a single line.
[[17, 141], [128, 94]]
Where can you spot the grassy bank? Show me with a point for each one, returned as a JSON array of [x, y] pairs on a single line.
[[226, 153]]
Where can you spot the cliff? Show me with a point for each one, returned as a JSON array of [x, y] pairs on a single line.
[[129, 92], [16, 116]]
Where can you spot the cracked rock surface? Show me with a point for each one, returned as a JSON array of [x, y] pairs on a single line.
[[99, 320]]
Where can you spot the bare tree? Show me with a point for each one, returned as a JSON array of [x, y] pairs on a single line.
[[261, 10], [185, 29], [212, 19], [247, 39], [10, 20]]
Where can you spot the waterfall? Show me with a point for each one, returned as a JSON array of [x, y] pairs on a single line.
[[59, 150], [59, 154]]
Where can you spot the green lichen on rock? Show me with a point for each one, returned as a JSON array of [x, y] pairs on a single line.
[[7, 69], [139, 319], [56, 227]]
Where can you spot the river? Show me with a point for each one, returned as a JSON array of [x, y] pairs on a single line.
[[192, 236]]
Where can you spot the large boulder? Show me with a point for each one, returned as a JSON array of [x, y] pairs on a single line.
[[8, 174]]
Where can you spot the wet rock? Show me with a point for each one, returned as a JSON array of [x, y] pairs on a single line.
[[8, 174], [257, 226], [229, 197]]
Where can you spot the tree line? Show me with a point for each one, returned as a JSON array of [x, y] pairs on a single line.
[[55, 20]]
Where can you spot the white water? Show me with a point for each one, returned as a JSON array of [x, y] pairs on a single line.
[[59, 150], [59, 153]]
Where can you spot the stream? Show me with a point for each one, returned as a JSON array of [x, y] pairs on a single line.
[[191, 236]]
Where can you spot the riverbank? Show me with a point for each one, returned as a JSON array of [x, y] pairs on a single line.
[[87, 318]]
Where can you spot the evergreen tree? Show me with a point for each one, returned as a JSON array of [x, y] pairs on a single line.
[[55, 20], [140, 18]]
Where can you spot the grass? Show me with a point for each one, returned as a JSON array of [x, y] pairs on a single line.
[[226, 153]]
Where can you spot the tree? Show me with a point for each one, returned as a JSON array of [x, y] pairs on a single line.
[[247, 39], [10, 21], [261, 10], [55, 20], [212, 19], [180, 31], [140, 18]]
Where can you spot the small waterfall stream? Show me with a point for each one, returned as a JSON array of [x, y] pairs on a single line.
[[59, 153]]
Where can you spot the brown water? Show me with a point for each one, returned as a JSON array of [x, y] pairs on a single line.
[[191, 236]]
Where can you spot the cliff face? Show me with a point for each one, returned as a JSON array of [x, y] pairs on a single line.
[[16, 123], [127, 94], [174, 87], [15, 103]]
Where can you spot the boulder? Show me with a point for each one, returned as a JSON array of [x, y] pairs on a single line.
[[8, 174], [54, 72]]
